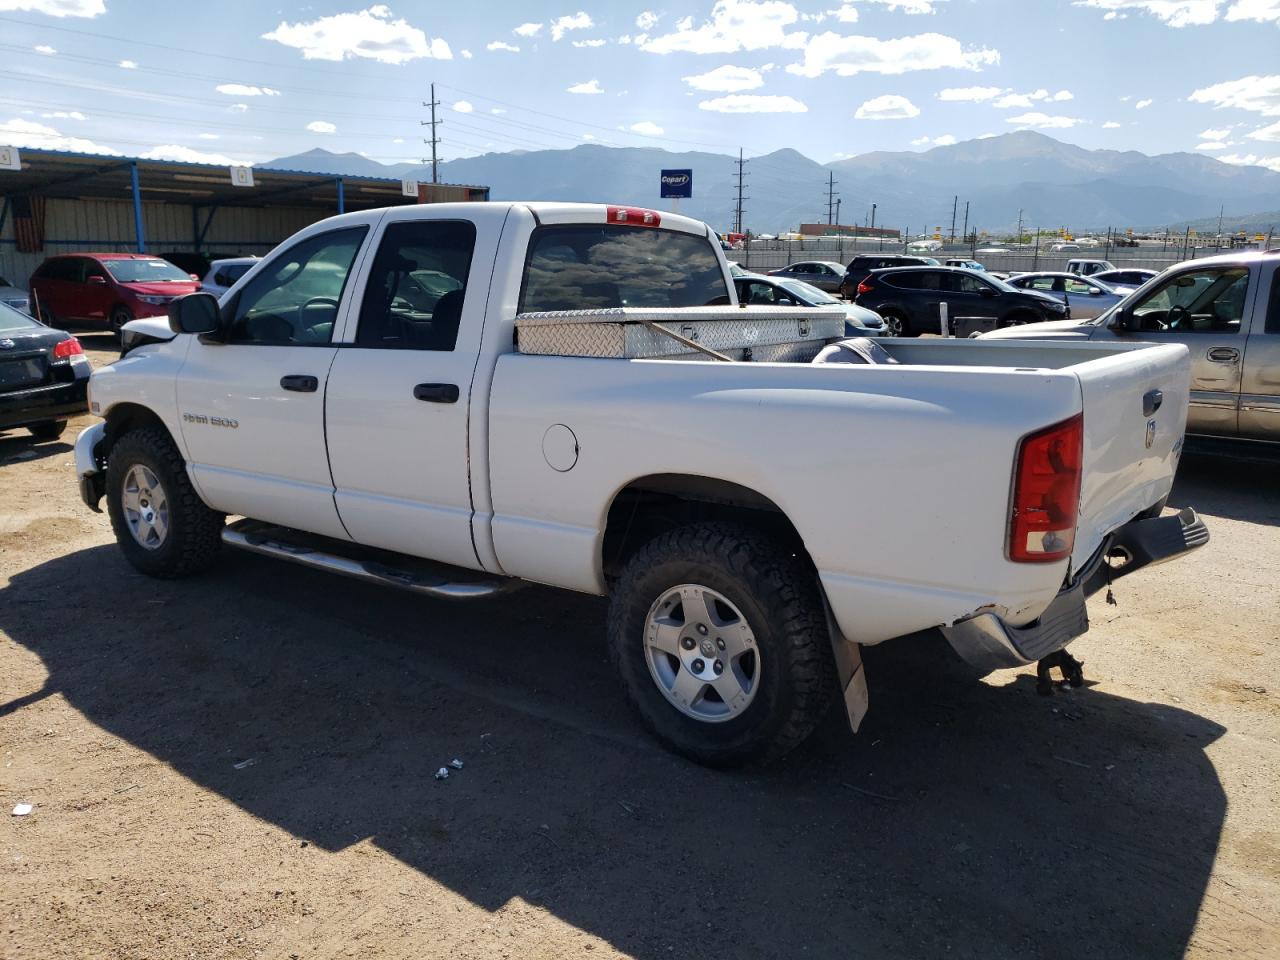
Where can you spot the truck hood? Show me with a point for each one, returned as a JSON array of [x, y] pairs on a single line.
[[1048, 330]]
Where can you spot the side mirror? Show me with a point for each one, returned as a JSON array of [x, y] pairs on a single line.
[[194, 313], [1123, 322], [986, 292], [95, 278]]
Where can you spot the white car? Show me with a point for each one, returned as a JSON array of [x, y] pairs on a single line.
[[223, 274], [1087, 268], [455, 398]]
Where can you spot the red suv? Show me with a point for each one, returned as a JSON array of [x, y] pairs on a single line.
[[106, 288]]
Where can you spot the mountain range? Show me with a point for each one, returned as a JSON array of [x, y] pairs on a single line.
[[1051, 183]]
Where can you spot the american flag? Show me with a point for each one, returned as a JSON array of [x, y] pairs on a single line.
[[28, 223]]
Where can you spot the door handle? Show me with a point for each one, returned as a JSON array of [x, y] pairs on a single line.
[[436, 392], [300, 383], [1223, 354]]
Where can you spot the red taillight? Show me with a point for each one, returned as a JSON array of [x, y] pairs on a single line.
[[67, 348], [634, 216], [1046, 493], [865, 287]]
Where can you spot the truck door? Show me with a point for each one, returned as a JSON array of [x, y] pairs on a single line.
[[252, 406], [1203, 308], [1260, 383], [398, 408]]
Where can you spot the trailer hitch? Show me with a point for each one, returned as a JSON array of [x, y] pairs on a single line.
[[1072, 672]]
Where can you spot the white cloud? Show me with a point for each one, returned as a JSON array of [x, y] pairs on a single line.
[[845, 14], [968, 94], [987, 136], [577, 21], [913, 7], [753, 103], [56, 8], [1143, 104], [1271, 133], [1043, 121], [890, 106], [1256, 94], [502, 45], [1176, 13], [646, 20], [173, 151], [589, 86], [648, 128], [588, 136], [1252, 160], [370, 33], [210, 136], [466, 54], [1260, 10], [1023, 100], [589, 43], [1063, 95], [1110, 125], [128, 65], [945, 140], [498, 110], [64, 115], [398, 140], [464, 106], [44, 48], [245, 90], [38, 136], [734, 25], [321, 126], [726, 79], [528, 29], [851, 55], [238, 107], [1212, 145], [1212, 134]]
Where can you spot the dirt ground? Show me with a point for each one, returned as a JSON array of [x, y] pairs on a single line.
[[242, 766]]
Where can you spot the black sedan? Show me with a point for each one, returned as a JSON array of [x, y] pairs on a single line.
[[44, 376], [910, 299]]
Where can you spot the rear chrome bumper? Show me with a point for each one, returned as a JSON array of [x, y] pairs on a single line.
[[988, 643]]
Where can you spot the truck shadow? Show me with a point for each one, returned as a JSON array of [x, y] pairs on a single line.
[[1236, 480], [965, 817]]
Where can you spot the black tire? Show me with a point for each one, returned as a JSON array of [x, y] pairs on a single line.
[[1021, 317], [194, 532], [895, 324], [49, 430], [777, 594], [120, 315]]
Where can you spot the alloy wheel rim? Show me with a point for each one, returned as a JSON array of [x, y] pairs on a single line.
[[701, 653], [146, 507]]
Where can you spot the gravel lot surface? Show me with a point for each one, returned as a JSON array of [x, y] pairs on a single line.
[[243, 766]]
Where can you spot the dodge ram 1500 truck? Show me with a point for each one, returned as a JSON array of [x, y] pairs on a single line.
[[454, 398]]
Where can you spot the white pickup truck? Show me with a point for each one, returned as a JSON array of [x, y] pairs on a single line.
[[456, 398]]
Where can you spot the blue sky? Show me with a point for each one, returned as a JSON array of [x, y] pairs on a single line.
[[247, 82]]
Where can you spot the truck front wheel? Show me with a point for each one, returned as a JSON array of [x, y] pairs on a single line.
[[163, 527], [720, 638]]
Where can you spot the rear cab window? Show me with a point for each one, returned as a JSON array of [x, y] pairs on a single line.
[[598, 266]]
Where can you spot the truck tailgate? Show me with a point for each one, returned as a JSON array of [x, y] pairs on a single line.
[[1135, 414]]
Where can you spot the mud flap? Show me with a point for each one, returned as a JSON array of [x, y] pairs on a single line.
[[853, 678]]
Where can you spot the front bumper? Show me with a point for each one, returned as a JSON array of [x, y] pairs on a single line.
[[988, 643], [88, 469]]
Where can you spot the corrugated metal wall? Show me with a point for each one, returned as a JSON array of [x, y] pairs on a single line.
[[107, 225]]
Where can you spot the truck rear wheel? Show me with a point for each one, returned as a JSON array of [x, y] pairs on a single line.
[[719, 636], [163, 527]]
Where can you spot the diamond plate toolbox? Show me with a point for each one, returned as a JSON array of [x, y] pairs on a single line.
[[618, 332]]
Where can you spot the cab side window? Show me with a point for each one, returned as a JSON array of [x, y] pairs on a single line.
[[1210, 300], [294, 300], [414, 297], [1273, 308]]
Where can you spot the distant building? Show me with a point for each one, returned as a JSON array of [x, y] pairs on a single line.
[[846, 230]]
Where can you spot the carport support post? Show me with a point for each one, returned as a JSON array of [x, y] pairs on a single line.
[[137, 208], [342, 199]]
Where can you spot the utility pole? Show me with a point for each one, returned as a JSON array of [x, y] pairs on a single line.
[[737, 218], [831, 196], [435, 140], [1019, 240], [1218, 239], [873, 223], [965, 233], [954, 204], [837, 211]]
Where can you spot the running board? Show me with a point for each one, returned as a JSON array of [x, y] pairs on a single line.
[[285, 544]]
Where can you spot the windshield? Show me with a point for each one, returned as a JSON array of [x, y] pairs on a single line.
[[585, 267], [806, 292], [11, 319], [145, 271], [1000, 284]]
